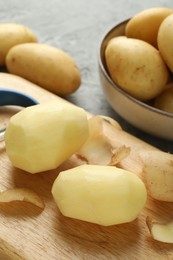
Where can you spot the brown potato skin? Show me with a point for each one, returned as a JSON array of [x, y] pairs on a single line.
[[137, 67], [46, 66], [165, 41], [145, 25], [165, 100], [12, 34]]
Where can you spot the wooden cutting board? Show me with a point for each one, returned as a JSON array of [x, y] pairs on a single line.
[[29, 233]]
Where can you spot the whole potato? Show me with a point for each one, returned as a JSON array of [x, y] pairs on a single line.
[[105, 195], [136, 67], [42, 137], [165, 100], [12, 34], [145, 24], [165, 41], [45, 65]]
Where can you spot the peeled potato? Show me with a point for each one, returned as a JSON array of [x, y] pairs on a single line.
[[43, 136], [145, 25], [12, 34], [45, 65], [165, 41], [104, 195], [165, 100], [136, 67]]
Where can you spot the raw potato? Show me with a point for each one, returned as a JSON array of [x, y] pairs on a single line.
[[145, 25], [165, 101], [104, 195], [45, 65], [136, 67], [158, 174], [165, 41], [12, 34], [43, 136]]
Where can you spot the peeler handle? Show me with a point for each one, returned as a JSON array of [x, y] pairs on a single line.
[[14, 98]]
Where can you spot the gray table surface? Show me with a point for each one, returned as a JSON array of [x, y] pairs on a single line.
[[77, 27]]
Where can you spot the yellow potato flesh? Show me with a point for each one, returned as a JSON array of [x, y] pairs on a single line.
[[12, 34], [162, 232], [145, 25], [136, 67], [103, 195], [41, 137]]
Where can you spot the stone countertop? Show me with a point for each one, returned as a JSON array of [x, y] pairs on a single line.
[[77, 27]]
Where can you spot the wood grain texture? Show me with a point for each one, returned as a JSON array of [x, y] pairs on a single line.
[[31, 234], [77, 27]]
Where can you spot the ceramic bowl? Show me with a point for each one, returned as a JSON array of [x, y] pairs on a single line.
[[139, 114]]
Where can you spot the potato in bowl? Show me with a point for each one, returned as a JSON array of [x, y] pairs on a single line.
[[139, 113], [137, 67]]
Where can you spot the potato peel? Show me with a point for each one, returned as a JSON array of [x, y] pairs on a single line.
[[98, 148], [160, 232], [119, 154], [111, 121], [158, 174], [21, 194]]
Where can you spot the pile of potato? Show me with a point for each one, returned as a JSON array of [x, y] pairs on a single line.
[[141, 60], [45, 65], [41, 137]]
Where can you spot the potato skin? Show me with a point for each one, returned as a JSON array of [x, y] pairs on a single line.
[[136, 67], [145, 25], [165, 41], [12, 34], [165, 100], [45, 65]]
